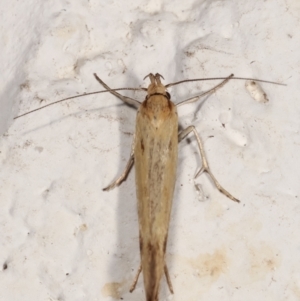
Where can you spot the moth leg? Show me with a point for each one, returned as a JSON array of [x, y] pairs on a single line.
[[205, 167], [210, 91], [135, 279], [168, 279], [125, 173], [128, 100]]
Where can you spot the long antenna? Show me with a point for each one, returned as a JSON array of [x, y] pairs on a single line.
[[144, 89], [71, 97], [218, 78]]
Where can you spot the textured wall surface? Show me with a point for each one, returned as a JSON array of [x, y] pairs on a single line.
[[63, 238]]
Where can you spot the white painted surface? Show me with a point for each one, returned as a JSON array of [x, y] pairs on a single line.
[[62, 237]]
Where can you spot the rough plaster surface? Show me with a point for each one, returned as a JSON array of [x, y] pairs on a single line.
[[62, 237]]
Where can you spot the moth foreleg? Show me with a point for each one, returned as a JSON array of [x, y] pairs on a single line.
[[125, 173], [168, 279], [205, 167], [135, 279], [210, 91], [128, 100]]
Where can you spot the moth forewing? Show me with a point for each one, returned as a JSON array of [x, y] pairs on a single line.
[[155, 151]]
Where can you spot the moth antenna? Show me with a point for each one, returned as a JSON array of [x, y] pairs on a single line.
[[218, 78], [76, 96]]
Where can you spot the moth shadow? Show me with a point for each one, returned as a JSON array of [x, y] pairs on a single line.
[[123, 267]]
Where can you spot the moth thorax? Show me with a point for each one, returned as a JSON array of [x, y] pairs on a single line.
[[157, 89]]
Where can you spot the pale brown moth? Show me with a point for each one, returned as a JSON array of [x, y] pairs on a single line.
[[154, 152]]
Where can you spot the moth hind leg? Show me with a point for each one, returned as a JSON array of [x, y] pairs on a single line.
[[132, 288], [136, 278], [205, 166], [168, 279]]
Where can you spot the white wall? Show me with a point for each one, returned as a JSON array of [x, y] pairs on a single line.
[[62, 237]]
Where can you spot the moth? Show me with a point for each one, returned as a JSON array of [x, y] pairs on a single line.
[[154, 153]]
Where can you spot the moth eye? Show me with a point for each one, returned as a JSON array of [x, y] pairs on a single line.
[[168, 95]]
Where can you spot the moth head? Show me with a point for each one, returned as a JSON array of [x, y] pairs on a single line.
[[156, 86]]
